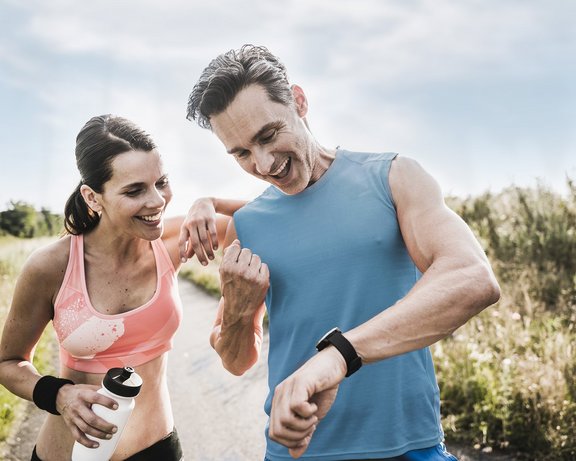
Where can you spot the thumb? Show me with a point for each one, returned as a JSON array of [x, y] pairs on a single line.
[[182, 243], [300, 449]]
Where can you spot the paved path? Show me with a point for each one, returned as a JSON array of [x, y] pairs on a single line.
[[219, 416]]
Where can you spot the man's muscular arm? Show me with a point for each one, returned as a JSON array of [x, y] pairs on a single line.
[[457, 283]]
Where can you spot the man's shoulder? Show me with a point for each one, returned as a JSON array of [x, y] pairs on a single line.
[[257, 203], [360, 157]]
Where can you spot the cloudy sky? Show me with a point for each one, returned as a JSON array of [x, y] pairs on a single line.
[[481, 92]]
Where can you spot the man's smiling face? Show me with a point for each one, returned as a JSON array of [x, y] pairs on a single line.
[[269, 140]]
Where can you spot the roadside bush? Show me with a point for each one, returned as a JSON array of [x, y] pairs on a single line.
[[13, 253], [507, 377]]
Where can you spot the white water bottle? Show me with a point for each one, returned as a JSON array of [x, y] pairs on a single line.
[[122, 385]]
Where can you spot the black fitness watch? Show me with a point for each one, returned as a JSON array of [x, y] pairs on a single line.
[[345, 347]]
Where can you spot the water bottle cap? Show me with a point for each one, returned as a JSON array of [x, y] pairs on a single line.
[[124, 382]]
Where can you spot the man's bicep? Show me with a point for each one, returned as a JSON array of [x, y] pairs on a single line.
[[429, 228]]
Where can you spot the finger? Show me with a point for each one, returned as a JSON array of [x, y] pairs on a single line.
[[205, 240], [80, 437], [301, 449], [305, 410], [264, 271], [287, 428], [198, 247], [91, 423], [290, 438], [100, 399], [299, 424], [213, 234], [93, 426], [232, 251], [182, 243], [255, 262], [244, 257]]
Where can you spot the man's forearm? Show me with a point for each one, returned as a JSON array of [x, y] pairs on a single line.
[[237, 340], [443, 299]]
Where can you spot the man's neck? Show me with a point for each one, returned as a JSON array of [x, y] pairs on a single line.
[[324, 159]]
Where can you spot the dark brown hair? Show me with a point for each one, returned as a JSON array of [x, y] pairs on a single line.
[[99, 141], [231, 72]]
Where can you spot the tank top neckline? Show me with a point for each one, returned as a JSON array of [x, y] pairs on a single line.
[[314, 187], [130, 312]]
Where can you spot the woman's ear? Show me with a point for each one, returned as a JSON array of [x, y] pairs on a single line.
[[300, 100], [91, 198]]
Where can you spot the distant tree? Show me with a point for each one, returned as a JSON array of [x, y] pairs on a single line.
[[22, 220], [52, 223]]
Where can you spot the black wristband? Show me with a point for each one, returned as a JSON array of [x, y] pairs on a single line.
[[337, 339], [45, 392]]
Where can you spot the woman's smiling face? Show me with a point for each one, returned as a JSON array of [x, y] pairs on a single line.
[[135, 198]]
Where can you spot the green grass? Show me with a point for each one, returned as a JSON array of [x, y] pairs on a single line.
[[507, 382], [206, 277], [13, 253], [508, 377]]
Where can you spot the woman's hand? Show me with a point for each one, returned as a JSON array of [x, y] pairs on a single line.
[[74, 402], [198, 233]]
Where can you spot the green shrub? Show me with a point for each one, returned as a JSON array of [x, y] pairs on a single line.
[[13, 253], [206, 277], [529, 234], [507, 377]]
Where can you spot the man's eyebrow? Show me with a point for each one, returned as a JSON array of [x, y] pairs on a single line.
[[278, 124]]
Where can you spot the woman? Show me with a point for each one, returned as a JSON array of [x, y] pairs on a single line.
[[110, 289]]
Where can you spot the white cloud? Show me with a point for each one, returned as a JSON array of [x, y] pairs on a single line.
[[440, 79]]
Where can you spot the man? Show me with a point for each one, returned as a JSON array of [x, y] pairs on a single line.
[[359, 242]]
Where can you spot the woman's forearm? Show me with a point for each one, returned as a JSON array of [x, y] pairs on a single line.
[[19, 376], [227, 206]]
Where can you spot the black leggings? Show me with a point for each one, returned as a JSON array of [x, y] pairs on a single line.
[[167, 449]]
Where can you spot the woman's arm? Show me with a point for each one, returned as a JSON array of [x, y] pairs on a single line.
[[204, 227], [30, 312], [226, 206]]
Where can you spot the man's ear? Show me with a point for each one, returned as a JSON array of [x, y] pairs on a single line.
[[300, 100], [91, 198]]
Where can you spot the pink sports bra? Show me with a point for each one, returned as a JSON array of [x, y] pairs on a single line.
[[94, 342]]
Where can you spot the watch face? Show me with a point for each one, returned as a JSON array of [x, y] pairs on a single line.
[[327, 335]]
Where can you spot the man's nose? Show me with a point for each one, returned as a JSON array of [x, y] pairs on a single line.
[[263, 161]]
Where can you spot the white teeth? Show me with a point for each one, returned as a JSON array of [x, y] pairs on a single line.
[[280, 168], [156, 217]]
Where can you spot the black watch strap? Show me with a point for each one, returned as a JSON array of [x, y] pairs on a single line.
[[345, 347]]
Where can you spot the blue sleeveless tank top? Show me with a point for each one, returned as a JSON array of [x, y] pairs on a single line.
[[337, 258]]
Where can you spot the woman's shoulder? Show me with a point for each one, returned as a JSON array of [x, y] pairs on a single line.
[[49, 262]]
